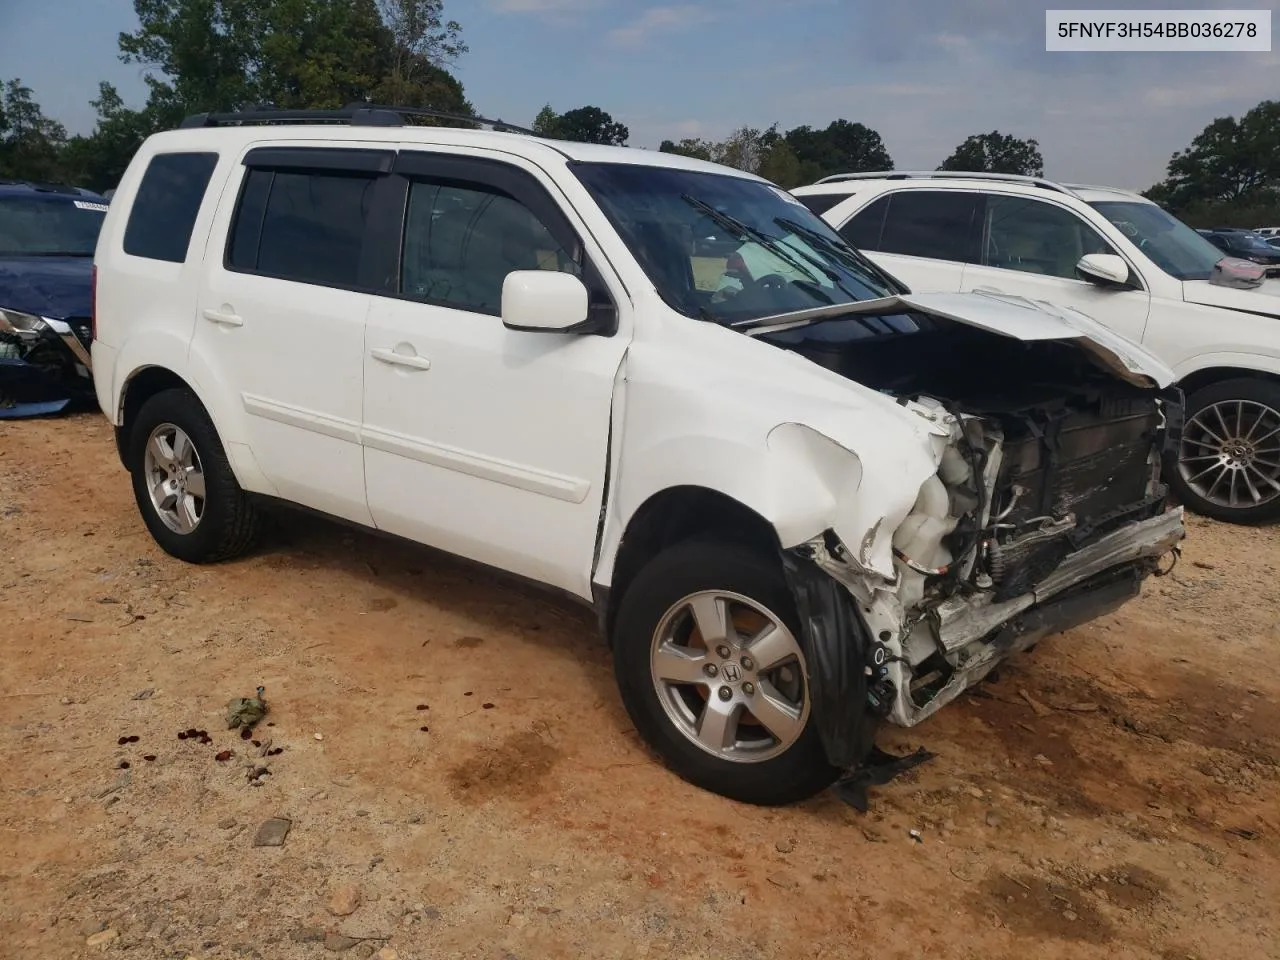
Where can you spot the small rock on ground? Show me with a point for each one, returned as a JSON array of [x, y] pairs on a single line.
[[785, 846], [337, 943], [272, 832], [386, 953], [226, 823], [103, 936], [90, 927], [307, 935], [344, 900]]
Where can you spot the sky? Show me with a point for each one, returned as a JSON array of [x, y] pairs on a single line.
[[924, 73]]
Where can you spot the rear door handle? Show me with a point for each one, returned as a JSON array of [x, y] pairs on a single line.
[[411, 360], [225, 319]]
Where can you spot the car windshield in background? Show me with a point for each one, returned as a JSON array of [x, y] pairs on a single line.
[[47, 227], [1253, 243], [1168, 242], [729, 249]]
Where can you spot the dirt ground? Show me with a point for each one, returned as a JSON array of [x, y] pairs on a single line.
[[453, 756]]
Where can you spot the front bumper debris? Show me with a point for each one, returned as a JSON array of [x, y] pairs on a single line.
[[46, 371]]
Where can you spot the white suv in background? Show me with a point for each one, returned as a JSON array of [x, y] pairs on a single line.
[[1120, 259], [800, 504]]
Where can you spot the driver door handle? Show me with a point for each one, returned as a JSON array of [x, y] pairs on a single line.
[[410, 360]]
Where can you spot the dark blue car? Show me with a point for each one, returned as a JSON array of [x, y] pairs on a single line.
[[47, 237]]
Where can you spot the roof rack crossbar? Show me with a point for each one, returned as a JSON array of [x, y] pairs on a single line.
[[354, 114], [948, 175]]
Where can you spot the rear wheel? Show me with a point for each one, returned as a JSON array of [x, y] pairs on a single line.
[[1228, 463], [186, 492], [712, 674]]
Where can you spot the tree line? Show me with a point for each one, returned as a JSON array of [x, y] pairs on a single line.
[[226, 55]]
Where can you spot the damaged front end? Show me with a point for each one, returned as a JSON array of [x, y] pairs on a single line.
[[45, 364], [1046, 511]]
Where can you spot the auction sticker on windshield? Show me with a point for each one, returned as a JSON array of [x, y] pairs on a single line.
[[1126, 31]]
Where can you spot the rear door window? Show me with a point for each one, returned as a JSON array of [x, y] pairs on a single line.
[[166, 205], [935, 224], [301, 225], [864, 230]]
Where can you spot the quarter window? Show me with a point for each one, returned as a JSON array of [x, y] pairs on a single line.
[[165, 208], [462, 239], [1036, 237], [820, 203], [302, 226]]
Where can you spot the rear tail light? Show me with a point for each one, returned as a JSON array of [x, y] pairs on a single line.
[[93, 303]]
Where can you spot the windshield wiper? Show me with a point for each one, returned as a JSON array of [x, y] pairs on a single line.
[[747, 232], [846, 255]]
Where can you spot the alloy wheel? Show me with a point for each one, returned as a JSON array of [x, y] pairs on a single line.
[[730, 676], [174, 478]]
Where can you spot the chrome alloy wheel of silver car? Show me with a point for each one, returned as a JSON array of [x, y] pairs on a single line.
[[1230, 453], [730, 676], [174, 478]]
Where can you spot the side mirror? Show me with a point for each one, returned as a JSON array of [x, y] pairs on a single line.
[[543, 301], [1105, 269]]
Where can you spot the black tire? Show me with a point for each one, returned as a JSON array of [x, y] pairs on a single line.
[[1251, 391], [230, 522], [687, 568]]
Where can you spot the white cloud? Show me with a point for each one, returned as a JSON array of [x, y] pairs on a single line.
[[660, 20]]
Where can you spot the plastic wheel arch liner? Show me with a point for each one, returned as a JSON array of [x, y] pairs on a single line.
[[836, 648]]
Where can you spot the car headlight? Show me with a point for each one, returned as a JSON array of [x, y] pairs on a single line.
[[20, 324]]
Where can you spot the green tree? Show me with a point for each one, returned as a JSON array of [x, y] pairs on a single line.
[[418, 45], [99, 160], [765, 153], [843, 147], [996, 152], [689, 147], [1232, 162], [213, 55], [30, 142], [780, 164], [591, 125], [547, 123]]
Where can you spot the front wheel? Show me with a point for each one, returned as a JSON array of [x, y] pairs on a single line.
[[1228, 464], [713, 676]]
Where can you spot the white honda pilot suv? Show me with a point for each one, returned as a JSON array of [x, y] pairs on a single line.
[[1126, 263], [801, 504]]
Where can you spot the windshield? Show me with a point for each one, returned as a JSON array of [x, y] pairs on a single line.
[[728, 249], [39, 226], [1252, 243], [1168, 242]]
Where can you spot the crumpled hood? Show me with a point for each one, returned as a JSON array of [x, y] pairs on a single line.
[[1016, 317], [57, 287], [1263, 299]]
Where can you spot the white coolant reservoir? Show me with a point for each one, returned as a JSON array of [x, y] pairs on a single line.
[[919, 539], [955, 469]]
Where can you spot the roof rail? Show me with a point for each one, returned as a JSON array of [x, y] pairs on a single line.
[[354, 114], [949, 175]]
